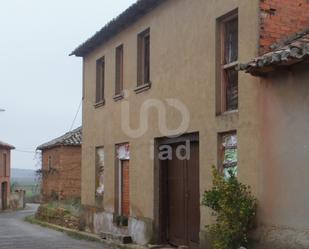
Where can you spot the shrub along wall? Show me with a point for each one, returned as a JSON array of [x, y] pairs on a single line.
[[58, 216]]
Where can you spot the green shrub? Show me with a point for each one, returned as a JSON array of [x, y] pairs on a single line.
[[234, 208]]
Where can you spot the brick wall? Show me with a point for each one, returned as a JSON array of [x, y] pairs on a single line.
[[281, 18], [65, 181], [125, 202]]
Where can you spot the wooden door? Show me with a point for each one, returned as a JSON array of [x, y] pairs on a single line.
[[177, 209], [125, 188], [193, 196], [4, 197], [183, 199]]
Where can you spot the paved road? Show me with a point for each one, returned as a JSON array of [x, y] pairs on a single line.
[[17, 234]]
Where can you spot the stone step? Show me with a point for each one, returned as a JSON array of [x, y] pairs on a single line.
[[166, 247], [123, 239]]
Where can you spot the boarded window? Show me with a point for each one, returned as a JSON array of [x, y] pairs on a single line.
[[119, 70], [228, 153], [143, 73], [99, 172], [100, 79], [122, 180], [229, 60]]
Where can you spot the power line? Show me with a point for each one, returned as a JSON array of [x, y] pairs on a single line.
[[80, 104], [25, 151]]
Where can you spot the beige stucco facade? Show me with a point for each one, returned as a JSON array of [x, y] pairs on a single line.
[[283, 199], [183, 66]]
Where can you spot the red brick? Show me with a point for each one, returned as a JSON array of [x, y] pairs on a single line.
[[289, 17], [66, 160]]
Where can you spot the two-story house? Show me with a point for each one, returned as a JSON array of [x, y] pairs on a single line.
[[5, 169], [163, 102]]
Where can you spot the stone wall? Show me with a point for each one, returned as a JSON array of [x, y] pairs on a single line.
[[17, 199]]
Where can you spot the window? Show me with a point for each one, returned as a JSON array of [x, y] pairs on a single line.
[[5, 165], [229, 60], [119, 71], [122, 193], [49, 162], [228, 153], [143, 74], [99, 175], [100, 67]]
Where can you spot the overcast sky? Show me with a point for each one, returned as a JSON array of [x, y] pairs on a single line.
[[40, 85]]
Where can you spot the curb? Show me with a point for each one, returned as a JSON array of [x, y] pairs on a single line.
[[82, 235]]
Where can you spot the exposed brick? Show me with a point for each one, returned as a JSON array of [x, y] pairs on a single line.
[[281, 18], [5, 173], [125, 188], [65, 182]]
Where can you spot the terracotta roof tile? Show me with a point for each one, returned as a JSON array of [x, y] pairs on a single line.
[[289, 51], [72, 138]]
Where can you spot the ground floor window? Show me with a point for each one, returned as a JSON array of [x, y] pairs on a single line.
[[99, 175], [122, 180], [228, 153]]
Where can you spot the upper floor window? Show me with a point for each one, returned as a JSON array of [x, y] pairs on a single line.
[[143, 73], [119, 71], [5, 173], [100, 81], [49, 162], [229, 60]]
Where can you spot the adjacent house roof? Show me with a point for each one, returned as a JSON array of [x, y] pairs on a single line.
[[6, 146], [125, 19], [72, 138], [289, 51]]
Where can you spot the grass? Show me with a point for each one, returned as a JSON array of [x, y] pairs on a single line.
[[73, 206], [72, 233]]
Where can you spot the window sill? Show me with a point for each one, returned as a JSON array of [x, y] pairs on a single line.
[[142, 88], [226, 113], [118, 97], [99, 104], [229, 112]]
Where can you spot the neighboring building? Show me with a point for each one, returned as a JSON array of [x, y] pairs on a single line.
[[61, 166], [5, 171], [284, 141], [180, 57]]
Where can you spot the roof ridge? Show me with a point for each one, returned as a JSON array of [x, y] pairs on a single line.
[[6, 145], [116, 25]]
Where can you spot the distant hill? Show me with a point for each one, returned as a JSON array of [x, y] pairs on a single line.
[[23, 176]]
